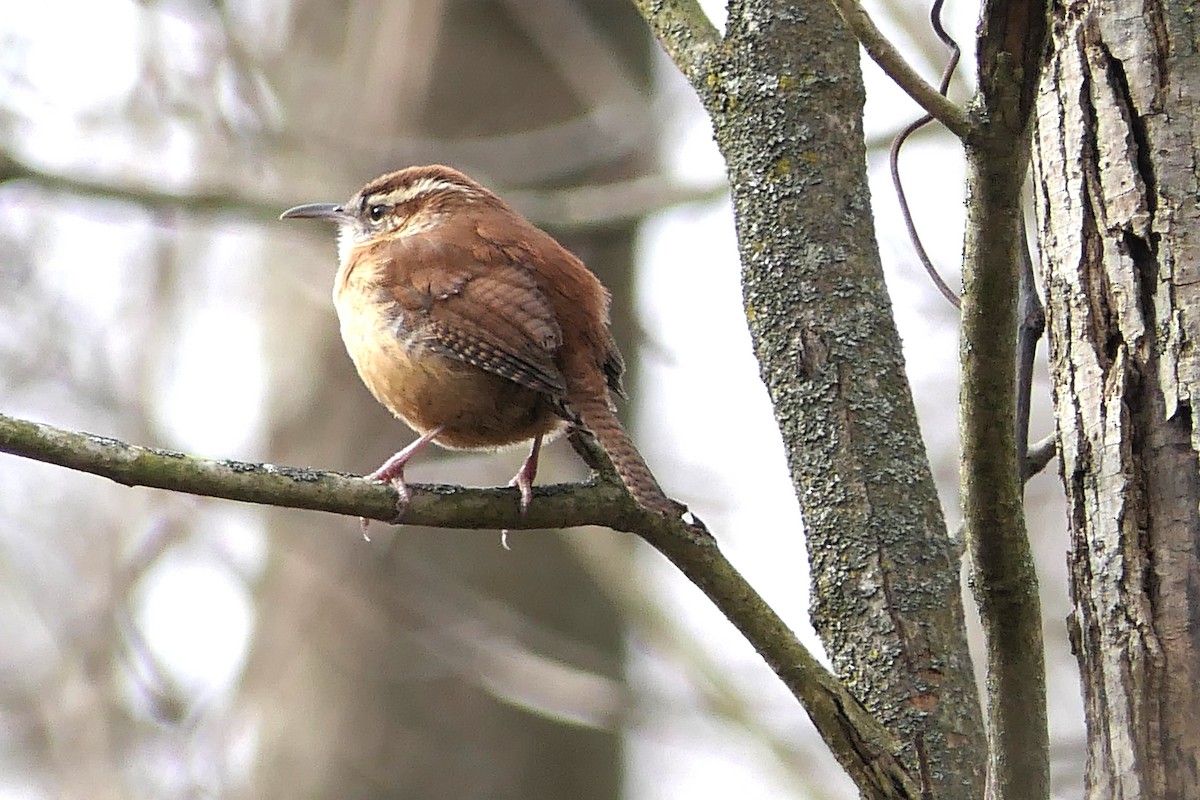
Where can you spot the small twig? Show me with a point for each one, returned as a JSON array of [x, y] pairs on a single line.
[[935, 19], [1031, 325], [606, 204], [1040, 455], [885, 54]]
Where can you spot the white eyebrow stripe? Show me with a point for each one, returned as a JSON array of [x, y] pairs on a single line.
[[420, 187]]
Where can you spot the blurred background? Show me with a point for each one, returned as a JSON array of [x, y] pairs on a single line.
[[165, 646]]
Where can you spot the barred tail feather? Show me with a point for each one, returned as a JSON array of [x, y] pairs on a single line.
[[598, 417]]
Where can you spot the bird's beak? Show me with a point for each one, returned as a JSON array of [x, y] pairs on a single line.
[[329, 211]]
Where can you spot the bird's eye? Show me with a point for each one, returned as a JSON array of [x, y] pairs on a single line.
[[377, 212]]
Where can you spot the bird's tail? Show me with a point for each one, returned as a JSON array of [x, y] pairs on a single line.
[[598, 417]]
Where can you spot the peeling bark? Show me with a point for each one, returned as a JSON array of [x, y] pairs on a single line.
[[1116, 188]]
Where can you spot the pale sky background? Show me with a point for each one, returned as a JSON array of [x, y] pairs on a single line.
[[707, 378]]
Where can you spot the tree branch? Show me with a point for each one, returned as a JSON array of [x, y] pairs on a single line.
[[685, 32], [1040, 455], [885, 54], [1011, 43], [193, 202], [1031, 326], [856, 737], [316, 490], [574, 207]]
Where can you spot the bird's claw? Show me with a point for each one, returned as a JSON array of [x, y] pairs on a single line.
[[394, 476], [524, 485]]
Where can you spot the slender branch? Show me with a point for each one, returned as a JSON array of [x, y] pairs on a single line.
[[1011, 45], [885, 54], [721, 692], [224, 201], [860, 741], [1039, 457], [1003, 576], [685, 32], [906, 213], [587, 206], [882, 140], [1031, 325]]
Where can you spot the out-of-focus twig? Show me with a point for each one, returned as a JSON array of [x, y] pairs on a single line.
[[596, 205]]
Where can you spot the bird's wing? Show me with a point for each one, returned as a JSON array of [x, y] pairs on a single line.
[[478, 304]]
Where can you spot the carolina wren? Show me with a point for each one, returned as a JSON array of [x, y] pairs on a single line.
[[475, 327]]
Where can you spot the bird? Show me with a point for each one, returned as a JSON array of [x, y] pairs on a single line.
[[475, 327]]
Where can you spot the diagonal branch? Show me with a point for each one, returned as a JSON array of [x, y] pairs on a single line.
[[860, 741], [784, 92], [685, 32], [885, 54]]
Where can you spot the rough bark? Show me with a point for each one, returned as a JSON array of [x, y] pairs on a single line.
[[785, 94], [1116, 188]]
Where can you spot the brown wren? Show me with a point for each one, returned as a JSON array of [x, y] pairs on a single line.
[[475, 327]]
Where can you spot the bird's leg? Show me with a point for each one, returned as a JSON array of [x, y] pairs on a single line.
[[523, 480], [392, 470]]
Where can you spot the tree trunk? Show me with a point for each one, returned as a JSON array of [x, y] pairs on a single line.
[[784, 90], [1116, 188]]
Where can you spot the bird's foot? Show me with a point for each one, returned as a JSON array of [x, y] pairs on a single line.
[[524, 483], [392, 471], [523, 480], [394, 475]]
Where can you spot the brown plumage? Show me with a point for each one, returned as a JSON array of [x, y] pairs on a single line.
[[475, 327]]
